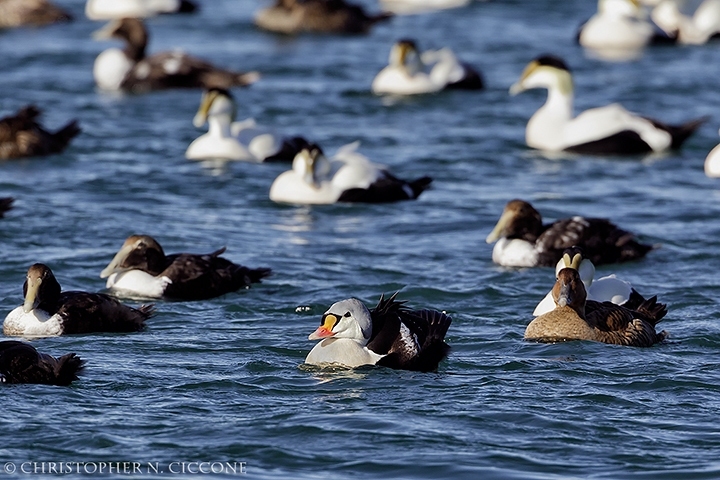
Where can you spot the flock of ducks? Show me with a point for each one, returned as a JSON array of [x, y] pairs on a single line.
[[578, 307]]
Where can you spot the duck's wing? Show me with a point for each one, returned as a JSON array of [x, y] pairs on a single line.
[[386, 188], [601, 240], [21, 135], [617, 325], [196, 277], [83, 312], [22, 363]]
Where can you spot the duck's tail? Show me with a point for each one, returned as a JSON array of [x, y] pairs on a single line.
[[62, 137], [5, 205], [420, 185], [434, 349], [680, 133], [67, 369]]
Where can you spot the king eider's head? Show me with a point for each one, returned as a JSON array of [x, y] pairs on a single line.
[[215, 102], [345, 319], [621, 8], [546, 71], [573, 257]]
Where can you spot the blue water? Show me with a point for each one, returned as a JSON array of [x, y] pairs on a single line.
[[220, 381]]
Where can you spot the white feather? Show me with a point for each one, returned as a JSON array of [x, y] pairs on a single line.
[[138, 283], [110, 69], [35, 323]]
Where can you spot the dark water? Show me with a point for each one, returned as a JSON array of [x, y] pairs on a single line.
[[220, 380]]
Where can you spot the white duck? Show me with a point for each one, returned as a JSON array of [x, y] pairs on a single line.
[[618, 24], [410, 73], [348, 177], [116, 9], [603, 130], [227, 139], [697, 29]]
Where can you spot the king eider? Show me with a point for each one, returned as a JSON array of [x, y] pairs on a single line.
[[604, 130], [118, 9], [5, 205], [702, 26], [20, 362], [141, 268], [523, 240], [130, 70], [348, 177], [316, 16], [390, 335], [227, 139], [574, 318], [410, 73], [49, 312], [30, 13], [605, 289], [21, 135]]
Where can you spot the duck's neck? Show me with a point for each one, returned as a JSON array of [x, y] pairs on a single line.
[[559, 104], [219, 126], [135, 50]]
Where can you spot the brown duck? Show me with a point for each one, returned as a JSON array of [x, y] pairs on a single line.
[[22, 136], [20, 362]]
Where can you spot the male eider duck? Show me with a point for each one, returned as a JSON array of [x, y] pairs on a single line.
[[130, 70], [605, 289], [576, 319], [604, 130], [619, 24], [115, 9], [5, 205], [20, 362], [316, 16], [348, 177], [523, 240], [49, 312], [698, 29], [410, 73], [21, 135], [390, 335], [141, 268], [712, 162], [30, 13], [230, 140]]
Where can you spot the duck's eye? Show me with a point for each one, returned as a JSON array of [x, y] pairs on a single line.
[[347, 314]]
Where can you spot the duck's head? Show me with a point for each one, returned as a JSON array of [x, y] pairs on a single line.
[[215, 102], [546, 71], [623, 8], [667, 16], [131, 30], [40, 286], [518, 220], [569, 290], [345, 319], [311, 165], [141, 252], [404, 55], [573, 257]]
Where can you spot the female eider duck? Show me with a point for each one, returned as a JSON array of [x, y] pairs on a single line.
[[574, 318], [20, 362], [30, 13], [5, 205], [21, 135], [390, 335], [604, 130], [114, 9], [523, 240], [698, 29], [130, 70], [316, 16], [410, 73], [227, 139], [141, 268], [348, 177], [619, 25], [605, 289], [49, 312]]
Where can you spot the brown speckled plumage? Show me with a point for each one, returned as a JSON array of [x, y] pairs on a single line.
[[33, 13], [316, 16], [21, 135]]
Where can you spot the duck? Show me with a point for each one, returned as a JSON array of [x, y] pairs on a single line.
[[20, 362], [141, 268], [606, 289], [604, 130], [6, 203], [31, 13], [49, 312], [698, 29], [712, 162], [410, 73], [619, 24], [113, 9], [522, 240], [389, 335], [131, 70], [21, 135], [291, 17], [227, 139], [348, 177], [411, 7], [574, 318]]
